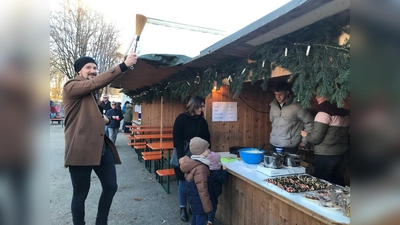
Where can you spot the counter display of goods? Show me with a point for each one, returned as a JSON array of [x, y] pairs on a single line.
[[335, 197], [313, 201], [298, 183]]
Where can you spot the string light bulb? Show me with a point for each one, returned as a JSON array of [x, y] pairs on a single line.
[[167, 85], [308, 50]]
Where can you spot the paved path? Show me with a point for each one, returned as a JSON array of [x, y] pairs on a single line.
[[140, 199]]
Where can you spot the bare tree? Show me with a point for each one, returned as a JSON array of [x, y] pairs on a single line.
[[57, 81], [75, 31]]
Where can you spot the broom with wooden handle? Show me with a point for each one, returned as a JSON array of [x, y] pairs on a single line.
[[140, 22]]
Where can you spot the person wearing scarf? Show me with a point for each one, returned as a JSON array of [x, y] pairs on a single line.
[[196, 171]]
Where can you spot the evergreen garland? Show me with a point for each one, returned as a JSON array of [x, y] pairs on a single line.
[[326, 68]]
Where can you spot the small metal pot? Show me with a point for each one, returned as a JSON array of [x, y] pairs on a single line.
[[292, 160], [274, 161]]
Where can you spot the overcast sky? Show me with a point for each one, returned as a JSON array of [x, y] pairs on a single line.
[[226, 15]]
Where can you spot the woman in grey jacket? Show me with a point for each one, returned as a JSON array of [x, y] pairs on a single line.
[[330, 135]]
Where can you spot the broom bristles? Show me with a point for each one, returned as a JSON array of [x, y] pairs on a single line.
[[140, 22]]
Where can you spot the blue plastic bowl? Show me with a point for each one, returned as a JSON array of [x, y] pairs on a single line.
[[251, 155]]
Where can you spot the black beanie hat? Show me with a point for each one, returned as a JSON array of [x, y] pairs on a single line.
[[81, 62]]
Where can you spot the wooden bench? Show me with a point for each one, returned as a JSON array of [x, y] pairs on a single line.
[[139, 148], [151, 153], [165, 173], [131, 138], [137, 145], [59, 120], [149, 158]]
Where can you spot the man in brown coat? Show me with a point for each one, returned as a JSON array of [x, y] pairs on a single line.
[[87, 148]]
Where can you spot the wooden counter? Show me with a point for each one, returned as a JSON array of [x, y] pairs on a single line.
[[247, 199]]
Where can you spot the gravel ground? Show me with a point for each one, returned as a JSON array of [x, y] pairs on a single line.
[[140, 199]]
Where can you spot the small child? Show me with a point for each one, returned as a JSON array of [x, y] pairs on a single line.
[[217, 177], [196, 177]]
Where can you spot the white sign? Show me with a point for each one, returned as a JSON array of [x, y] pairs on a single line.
[[138, 108], [224, 111]]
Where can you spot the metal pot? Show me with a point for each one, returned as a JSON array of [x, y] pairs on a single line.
[[292, 160], [274, 161]]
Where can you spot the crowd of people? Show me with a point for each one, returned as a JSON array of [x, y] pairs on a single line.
[[56, 110], [91, 130], [117, 113]]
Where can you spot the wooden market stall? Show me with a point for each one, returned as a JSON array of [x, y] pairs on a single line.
[[245, 199]]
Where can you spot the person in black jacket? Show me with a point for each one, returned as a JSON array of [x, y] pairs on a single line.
[[105, 103], [187, 125], [104, 106], [217, 177], [116, 117]]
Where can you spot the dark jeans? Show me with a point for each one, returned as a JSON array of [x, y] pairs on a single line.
[[106, 131], [127, 129], [199, 219], [211, 215], [182, 193], [80, 177], [331, 167], [289, 150]]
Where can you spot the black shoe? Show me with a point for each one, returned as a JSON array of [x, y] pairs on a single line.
[[184, 215]]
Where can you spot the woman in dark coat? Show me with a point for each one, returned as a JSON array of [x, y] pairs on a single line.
[[187, 125]]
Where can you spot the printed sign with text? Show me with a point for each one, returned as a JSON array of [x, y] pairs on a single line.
[[224, 111]]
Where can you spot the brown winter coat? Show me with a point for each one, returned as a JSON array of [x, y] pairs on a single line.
[[197, 173], [84, 125]]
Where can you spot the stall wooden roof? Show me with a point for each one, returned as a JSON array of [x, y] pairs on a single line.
[[292, 16]]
